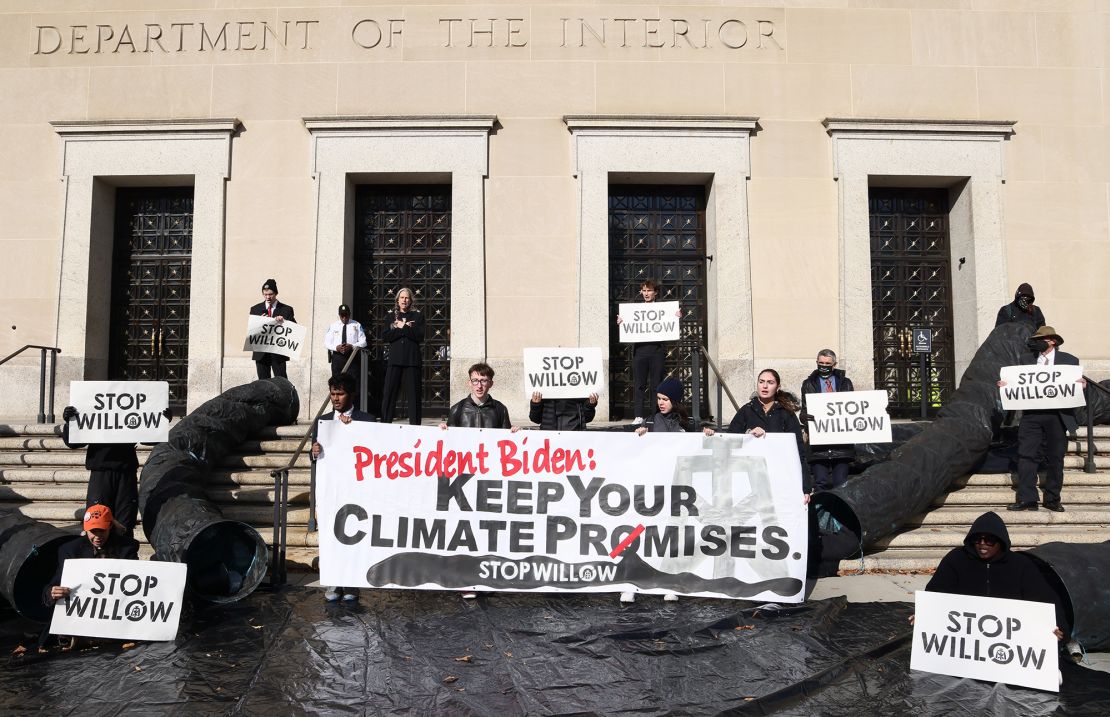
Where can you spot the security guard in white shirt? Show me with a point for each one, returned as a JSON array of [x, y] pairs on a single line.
[[343, 337]]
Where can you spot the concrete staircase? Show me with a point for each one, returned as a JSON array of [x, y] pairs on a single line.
[[43, 479]]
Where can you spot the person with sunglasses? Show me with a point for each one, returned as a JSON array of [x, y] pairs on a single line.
[[985, 566]]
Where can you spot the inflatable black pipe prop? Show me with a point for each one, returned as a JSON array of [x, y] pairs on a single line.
[[227, 559], [28, 559], [1078, 572], [1099, 401], [881, 499]]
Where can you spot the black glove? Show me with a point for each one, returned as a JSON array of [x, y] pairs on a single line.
[[168, 413], [807, 418], [69, 413]]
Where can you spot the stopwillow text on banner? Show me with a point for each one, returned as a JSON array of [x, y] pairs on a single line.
[[418, 507]]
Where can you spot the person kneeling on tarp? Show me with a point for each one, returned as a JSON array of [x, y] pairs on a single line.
[[986, 567]]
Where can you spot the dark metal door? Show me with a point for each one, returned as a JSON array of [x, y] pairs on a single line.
[[403, 238], [911, 287], [151, 262], [656, 232]]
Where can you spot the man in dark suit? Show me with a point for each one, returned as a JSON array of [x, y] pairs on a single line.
[[264, 362], [1047, 427], [341, 389]]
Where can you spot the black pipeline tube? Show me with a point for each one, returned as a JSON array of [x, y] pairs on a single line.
[[1078, 572], [227, 559], [881, 499], [28, 559]]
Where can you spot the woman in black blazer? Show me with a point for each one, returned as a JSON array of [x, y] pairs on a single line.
[[404, 337]]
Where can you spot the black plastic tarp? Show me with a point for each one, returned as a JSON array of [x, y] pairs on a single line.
[[432, 653]]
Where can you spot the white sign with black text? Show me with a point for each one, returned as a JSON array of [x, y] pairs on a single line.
[[119, 411], [848, 417], [1041, 387], [120, 599], [654, 321], [983, 638], [267, 335], [563, 372]]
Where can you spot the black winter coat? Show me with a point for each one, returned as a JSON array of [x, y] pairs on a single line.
[[115, 457], [467, 414], [118, 546], [562, 414], [404, 344], [777, 420], [1007, 575], [840, 452], [667, 423], [1011, 312]]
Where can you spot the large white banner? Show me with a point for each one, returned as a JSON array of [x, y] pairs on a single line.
[[265, 334], [993, 639], [643, 321], [848, 417], [471, 509], [563, 372], [1041, 387], [123, 599], [119, 411]]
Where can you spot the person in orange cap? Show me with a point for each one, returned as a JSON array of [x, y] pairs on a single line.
[[102, 539]]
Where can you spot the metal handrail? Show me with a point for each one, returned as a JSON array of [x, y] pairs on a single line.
[[695, 385], [44, 416], [1089, 462], [281, 490]]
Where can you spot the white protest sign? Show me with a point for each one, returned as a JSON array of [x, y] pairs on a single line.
[[265, 334], [848, 417], [1041, 387], [563, 372], [122, 599], [983, 638], [654, 321], [542, 511], [119, 411]]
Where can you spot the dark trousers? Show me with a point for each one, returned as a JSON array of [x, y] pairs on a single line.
[[647, 373], [119, 491], [1040, 428], [828, 474], [264, 365], [413, 386]]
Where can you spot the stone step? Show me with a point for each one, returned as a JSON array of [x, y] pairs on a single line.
[[995, 495], [44, 443], [253, 514], [77, 458], [43, 493], [46, 474], [1021, 535], [1071, 477]]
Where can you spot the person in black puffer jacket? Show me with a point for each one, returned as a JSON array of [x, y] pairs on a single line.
[[562, 414], [985, 566], [829, 464]]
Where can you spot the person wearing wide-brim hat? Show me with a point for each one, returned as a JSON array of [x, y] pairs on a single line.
[[1047, 427]]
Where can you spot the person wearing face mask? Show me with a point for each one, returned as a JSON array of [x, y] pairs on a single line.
[[829, 464], [1021, 308], [1043, 427]]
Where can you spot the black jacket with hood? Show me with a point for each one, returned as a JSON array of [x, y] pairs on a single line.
[[1012, 312], [1007, 575]]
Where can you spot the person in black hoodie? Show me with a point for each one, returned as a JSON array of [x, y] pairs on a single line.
[[986, 567], [405, 338], [562, 414], [1022, 309], [829, 463]]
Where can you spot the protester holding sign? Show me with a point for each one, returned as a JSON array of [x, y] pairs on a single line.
[[267, 364], [985, 566], [404, 337], [1044, 427], [829, 463], [341, 390], [672, 416], [99, 541], [562, 414], [771, 410], [113, 470], [648, 358]]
